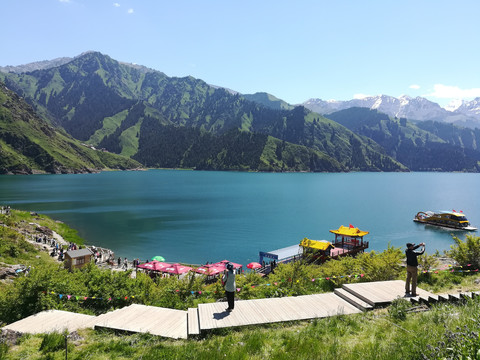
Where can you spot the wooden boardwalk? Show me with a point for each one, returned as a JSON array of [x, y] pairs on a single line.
[[264, 311], [380, 293], [52, 320], [146, 319], [179, 324]]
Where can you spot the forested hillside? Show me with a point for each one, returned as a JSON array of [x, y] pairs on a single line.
[[30, 145]]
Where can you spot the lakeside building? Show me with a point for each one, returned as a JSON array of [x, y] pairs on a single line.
[[76, 259]]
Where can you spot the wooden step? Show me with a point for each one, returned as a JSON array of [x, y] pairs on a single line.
[[424, 299], [443, 297], [380, 293], [352, 299], [414, 299], [455, 297], [193, 321]]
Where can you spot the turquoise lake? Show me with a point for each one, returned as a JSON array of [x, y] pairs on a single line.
[[196, 216]]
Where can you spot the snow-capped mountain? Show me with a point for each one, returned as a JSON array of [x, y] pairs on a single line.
[[471, 108], [418, 108], [412, 108], [454, 104]]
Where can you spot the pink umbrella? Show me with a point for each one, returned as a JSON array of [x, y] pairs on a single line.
[[209, 270], [177, 269], [218, 265], [254, 265], [225, 262], [154, 266]]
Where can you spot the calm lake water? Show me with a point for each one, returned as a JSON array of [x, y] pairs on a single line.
[[196, 216]]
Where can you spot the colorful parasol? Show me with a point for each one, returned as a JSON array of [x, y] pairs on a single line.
[[158, 258]]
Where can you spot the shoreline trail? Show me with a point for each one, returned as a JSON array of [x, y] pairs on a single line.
[[47, 242]]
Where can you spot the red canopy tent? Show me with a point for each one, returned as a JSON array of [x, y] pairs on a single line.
[[155, 266], [177, 269], [225, 262], [210, 270]]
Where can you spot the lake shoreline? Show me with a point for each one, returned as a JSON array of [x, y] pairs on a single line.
[[47, 240]]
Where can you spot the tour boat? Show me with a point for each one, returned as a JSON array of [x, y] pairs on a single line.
[[449, 219]]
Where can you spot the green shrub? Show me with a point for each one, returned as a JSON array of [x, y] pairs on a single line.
[[52, 342], [428, 262], [466, 252], [374, 266], [3, 350], [382, 266], [398, 309], [13, 250]]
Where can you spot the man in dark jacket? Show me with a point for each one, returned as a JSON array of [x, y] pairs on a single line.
[[412, 264]]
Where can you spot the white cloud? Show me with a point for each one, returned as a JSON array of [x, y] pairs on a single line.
[[130, 11], [361, 96], [116, 4], [453, 92], [64, 1], [414, 86]]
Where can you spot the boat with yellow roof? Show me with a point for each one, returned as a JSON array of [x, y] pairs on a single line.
[[448, 219]]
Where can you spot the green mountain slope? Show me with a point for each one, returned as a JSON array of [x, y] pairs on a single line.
[[179, 146], [428, 146], [105, 103], [269, 101], [464, 137], [30, 145]]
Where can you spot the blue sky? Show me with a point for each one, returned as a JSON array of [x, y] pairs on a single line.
[[295, 50]]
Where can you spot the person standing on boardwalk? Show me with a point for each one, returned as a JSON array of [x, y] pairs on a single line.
[[229, 282], [412, 263]]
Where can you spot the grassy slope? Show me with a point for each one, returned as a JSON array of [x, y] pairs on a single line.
[[110, 124], [372, 335], [16, 224]]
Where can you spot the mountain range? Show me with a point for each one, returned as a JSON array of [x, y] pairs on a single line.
[[161, 121], [462, 113], [466, 113]]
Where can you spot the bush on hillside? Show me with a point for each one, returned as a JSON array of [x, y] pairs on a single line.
[[466, 252], [398, 309], [371, 266], [296, 278], [52, 342]]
